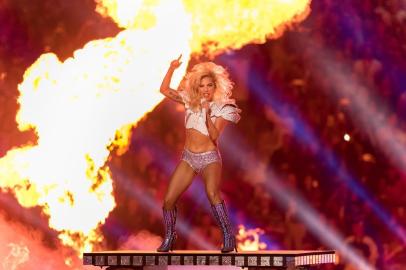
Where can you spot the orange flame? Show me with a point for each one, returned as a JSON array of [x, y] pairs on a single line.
[[77, 108], [248, 240], [217, 26]]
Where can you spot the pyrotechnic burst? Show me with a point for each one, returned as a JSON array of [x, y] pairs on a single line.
[[216, 26], [249, 240]]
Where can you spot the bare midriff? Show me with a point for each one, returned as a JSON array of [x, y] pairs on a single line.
[[197, 142]]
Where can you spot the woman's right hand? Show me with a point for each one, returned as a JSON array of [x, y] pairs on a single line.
[[176, 63]]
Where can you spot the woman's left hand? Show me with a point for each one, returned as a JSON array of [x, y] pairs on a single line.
[[206, 106]]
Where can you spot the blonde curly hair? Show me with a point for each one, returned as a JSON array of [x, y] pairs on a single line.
[[189, 86]]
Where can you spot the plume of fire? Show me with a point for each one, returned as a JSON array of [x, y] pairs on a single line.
[[81, 109], [248, 240], [132, 14], [217, 26]]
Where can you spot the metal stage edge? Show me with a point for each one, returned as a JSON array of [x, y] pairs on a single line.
[[269, 259]]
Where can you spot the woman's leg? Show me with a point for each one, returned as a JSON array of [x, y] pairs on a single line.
[[212, 178], [180, 180]]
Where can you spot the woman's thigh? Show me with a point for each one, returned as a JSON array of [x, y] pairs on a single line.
[[212, 177], [180, 180]]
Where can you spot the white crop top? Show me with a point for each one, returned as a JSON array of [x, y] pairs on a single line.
[[197, 120]]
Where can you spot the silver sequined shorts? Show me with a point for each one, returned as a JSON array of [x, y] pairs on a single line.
[[199, 161]]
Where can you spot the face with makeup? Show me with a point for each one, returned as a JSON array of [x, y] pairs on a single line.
[[207, 87]]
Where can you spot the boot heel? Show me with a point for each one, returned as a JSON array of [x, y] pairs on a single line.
[[173, 242]]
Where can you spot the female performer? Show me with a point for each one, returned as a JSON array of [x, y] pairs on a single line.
[[205, 91]]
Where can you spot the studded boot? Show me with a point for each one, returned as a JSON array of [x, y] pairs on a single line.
[[221, 216], [170, 232]]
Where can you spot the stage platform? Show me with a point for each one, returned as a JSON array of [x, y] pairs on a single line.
[[270, 259]]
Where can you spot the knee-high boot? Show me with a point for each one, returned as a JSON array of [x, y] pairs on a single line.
[[169, 217], [221, 215]]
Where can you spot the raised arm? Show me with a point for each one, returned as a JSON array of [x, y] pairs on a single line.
[[165, 88]]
